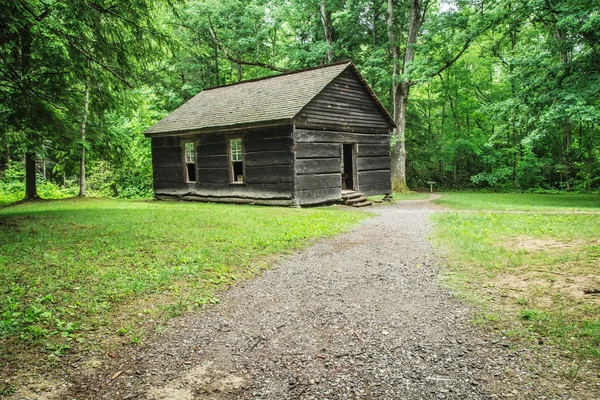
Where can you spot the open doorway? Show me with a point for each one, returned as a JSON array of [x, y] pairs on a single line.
[[348, 176]]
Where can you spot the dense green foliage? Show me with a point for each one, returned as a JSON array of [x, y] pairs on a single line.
[[108, 253], [503, 95], [527, 271]]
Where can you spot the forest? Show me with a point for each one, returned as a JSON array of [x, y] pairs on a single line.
[[494, 95]]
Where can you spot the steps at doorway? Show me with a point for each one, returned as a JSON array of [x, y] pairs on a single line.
[[355, 199]]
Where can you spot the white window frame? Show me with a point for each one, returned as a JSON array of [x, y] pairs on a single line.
[[187, 157], [235, 153]]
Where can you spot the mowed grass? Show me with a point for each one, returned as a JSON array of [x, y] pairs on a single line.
[[563, 202], [74, 269], [529, 271]]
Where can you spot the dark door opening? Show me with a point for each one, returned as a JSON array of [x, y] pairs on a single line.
[[348, 168]]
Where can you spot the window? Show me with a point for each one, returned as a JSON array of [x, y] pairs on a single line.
[[190, 161], [236, 161]]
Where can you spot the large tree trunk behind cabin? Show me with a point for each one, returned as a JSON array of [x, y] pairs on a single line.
[[398, 159], [86, 102], [326, 20], [30, 178]]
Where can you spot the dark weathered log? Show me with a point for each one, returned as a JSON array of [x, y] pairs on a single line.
[[167, 157], [372, 163], [231, 200], [372, 189], [169, 141], [212, 149], [317, 150], [318, 165], [369, 177], [308, 182], [265, 158], [374, 150], [216, 161], [318, 196], [270, 174], [163, 175], [213, 175], [281, 190], [268, 144], [315, 136]]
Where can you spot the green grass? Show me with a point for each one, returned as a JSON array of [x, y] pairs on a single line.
[[72, 269], [528, 270], [520, 201]]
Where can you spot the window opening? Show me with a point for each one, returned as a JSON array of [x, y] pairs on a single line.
[[236, 158], [190, 161]]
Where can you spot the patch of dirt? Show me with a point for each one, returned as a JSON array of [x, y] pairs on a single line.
[[546, 244], [537, 283]]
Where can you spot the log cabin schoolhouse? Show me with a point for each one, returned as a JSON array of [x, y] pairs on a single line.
[[294, 139]]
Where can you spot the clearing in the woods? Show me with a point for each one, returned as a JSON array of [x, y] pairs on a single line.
[[90, 285]]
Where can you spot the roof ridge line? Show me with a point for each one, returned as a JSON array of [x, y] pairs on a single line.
[[278, 75]]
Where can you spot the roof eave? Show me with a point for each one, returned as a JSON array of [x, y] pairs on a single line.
[[224, 128]]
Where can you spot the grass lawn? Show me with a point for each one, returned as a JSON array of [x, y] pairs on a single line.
[[528, 271], [78, 269], [520, 201]]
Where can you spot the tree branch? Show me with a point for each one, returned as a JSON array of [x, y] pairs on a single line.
[[237, 59]]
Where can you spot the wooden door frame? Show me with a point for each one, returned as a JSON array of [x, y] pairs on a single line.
[[354, 150]]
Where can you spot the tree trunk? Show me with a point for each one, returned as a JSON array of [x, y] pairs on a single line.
[[30, 178], [326, 20], [401, 92], [589, 160], [86, 102]]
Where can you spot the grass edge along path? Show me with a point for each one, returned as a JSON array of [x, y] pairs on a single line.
[[526, 272], [79, 270]]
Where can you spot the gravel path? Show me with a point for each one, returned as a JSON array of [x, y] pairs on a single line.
[[360, 315]]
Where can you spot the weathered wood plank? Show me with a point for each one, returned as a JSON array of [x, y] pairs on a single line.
[[372, 163], [212, 149], [270, 174], [317, 196], [373, 150], [318, 165], [263, 158], [268, 144], [167, 141], [376, 188], [218, 161], [317, 150], [284, 189], [322, 181], [370, 177], [212, 175], [167, 157], [164, 175], [306, 135]]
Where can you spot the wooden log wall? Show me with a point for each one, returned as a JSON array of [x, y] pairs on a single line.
[[343, 105], [319, 164], [167, 163], [268, 163]]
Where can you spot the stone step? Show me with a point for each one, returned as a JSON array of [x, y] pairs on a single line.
[[362, 204]]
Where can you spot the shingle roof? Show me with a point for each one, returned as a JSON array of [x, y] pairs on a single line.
[[276, 98]]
